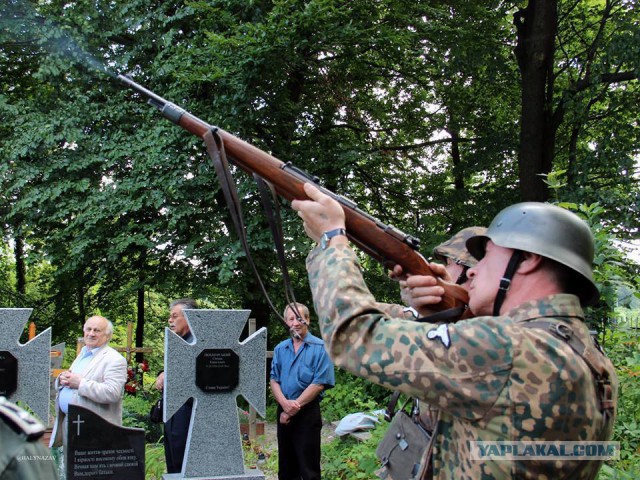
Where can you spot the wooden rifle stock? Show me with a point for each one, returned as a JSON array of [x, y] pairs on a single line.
[[383, 242]]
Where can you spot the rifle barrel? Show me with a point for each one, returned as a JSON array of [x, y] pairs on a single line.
[[389, 248]]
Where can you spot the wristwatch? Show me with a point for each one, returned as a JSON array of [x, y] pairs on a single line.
[[327, 236]]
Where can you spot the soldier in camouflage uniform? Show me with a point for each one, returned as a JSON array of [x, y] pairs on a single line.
[[513, 373], [22, 456]]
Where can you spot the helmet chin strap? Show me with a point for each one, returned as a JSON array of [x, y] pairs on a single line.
[[505, 282], [462, 278]]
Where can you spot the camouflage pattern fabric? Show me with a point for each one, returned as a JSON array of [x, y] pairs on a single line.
[[456, 247], [491, 378], [22, 456]]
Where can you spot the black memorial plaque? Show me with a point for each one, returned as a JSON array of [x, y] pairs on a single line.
[[100, 450], [217, 370], [8, 373]]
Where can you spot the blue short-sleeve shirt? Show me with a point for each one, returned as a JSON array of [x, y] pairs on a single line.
[[296, 371]]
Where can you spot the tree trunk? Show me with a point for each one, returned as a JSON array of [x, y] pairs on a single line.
[[21, 268], [140, 324], [536, 25]]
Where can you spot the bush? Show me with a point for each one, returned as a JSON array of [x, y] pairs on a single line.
[[347, 458], [154, 466], [135, 413], [624, 352], [350, 395]]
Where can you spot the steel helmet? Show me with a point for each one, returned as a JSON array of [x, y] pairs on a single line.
[[549, 231], [455, 248]]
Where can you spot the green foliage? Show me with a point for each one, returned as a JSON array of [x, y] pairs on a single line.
[[155, 465], [350, 395], [252, 455], [624, 350], [409, 108], [347, 458], [135, 413]]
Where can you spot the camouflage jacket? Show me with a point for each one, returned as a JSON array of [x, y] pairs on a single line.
[[491, 378], [22, 456]]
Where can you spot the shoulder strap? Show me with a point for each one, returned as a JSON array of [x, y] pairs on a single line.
[[591, 356], [391, 406]]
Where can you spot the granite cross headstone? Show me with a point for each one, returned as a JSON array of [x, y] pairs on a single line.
[[214, 370], [24, 369], [99, 450], [57, 359], [57, 356]]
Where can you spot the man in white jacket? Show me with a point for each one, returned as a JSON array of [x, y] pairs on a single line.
[[95, 380]]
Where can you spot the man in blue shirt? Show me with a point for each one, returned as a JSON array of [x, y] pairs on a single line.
[[300, 371]]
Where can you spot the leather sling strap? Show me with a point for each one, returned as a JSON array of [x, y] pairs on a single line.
[[271, 207], [216, 151], [449, 315]]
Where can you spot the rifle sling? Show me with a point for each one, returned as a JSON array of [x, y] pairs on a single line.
[[449, 315], [271, 207], [216, 151]]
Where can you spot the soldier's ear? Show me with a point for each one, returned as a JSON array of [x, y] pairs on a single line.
[[530, 263]]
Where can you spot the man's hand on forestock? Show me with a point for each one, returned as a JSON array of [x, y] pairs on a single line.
[[421, 291], [320, 213]]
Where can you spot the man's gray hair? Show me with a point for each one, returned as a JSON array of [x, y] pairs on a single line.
[[187, 303], [301, 308]]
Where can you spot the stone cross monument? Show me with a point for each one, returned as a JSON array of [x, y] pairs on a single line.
[[214, 370]]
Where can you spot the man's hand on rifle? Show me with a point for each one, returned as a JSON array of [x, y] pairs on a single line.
[[421, 291], [320, 214]]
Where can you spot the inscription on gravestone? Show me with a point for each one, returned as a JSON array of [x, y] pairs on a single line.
[[100, 450], [217, 370], [214, 445], [8, 373]]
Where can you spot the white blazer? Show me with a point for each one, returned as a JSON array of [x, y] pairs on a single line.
[[101, 390]]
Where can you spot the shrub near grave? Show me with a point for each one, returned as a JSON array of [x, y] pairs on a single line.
[[135, 413], [624, 351]]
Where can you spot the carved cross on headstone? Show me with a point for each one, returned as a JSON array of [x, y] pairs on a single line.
[[214, 370], [78, 421], [24, 372]]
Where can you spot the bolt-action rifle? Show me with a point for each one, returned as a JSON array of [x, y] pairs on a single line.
[[383, 242]]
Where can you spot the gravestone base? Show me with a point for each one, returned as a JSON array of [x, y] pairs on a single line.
[[250, 474]]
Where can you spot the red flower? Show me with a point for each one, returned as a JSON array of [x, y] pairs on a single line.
[[144, 366]]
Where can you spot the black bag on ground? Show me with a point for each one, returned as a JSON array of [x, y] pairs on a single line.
[[155, 415], [404, 444]]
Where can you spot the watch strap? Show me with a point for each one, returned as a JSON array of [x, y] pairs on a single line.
[[328, 235]]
